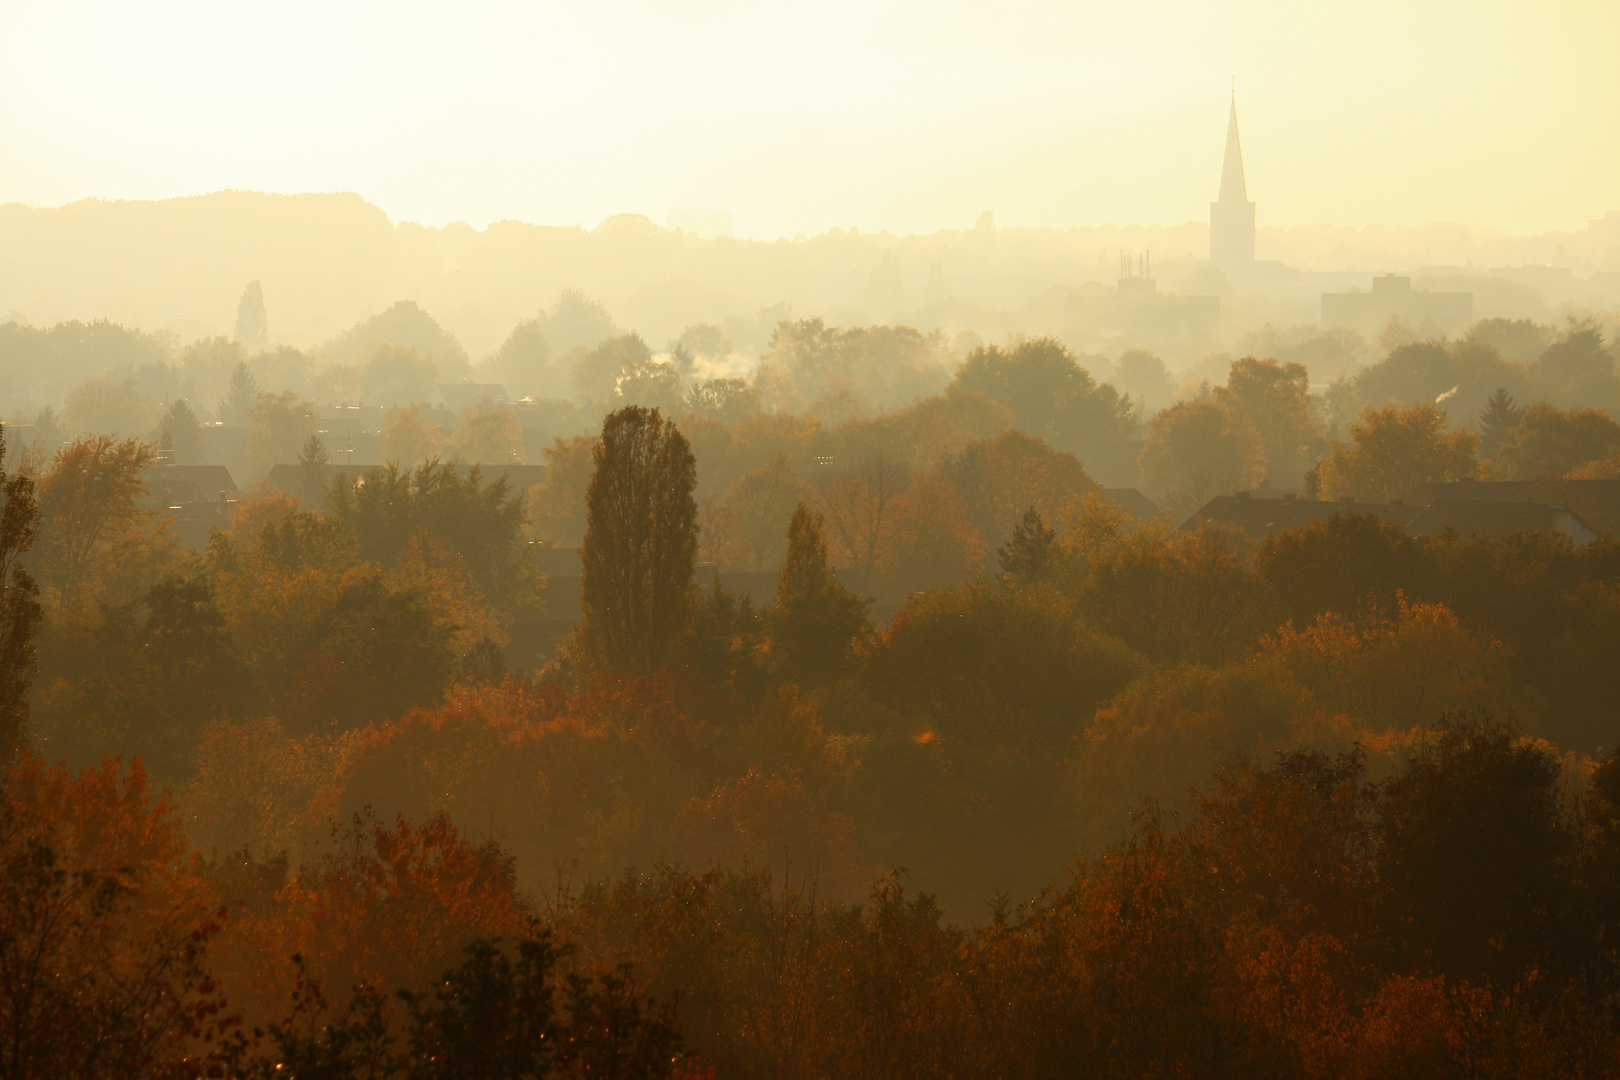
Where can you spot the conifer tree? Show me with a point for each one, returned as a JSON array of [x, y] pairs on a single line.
[[1027, 553], [242, 396], [1497, 421], [640, 543], [183, 432]]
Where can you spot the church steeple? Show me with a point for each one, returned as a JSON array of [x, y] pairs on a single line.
[[1233, 189], [1231, 218]]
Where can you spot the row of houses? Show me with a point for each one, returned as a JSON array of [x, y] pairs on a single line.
[[1583, 510]]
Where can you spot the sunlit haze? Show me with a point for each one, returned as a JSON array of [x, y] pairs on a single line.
[[797, 117]]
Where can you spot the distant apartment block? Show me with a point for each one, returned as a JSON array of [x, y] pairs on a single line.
[[1392, 297]]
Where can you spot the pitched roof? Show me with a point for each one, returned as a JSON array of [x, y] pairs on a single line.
[[1595, 502], [174, 485], [1133, 502], [1499, 517], [1260, 517]]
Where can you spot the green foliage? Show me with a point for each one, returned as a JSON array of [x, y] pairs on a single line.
[[374, 653], [481, 522], [143, 679], [1053, 398]]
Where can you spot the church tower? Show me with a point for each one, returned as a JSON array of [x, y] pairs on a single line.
[[1231, 217]]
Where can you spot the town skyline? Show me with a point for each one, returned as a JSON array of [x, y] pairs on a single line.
[[1046, 116]]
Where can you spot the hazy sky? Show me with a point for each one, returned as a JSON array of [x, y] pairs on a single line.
[[801, 116]]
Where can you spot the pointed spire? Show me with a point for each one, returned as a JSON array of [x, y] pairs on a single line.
[[1233, 189]]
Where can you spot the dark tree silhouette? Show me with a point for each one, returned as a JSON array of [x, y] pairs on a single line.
[[640, 542], [1027, 552], [1497, 421], [19, 604], [817, 620], [183, 432]]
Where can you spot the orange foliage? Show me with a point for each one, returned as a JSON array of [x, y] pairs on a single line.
[[385, 906]]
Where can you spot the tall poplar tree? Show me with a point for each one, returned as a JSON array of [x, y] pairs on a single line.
[[640, 543], [817, 621], [252, 328]]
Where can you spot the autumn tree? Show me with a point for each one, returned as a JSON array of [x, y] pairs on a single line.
[[640, 542], [1396, 449], [408, 437], [762, 502], [104, 931], [817, 621], [90, 519], [859, 506], [1275, 398], [1198, 449], [103, 405], [1549, 442], [1471, 836], [931, 543], [557, 503], [488, 432], [1000, 478], [399, 374], [19, 605]]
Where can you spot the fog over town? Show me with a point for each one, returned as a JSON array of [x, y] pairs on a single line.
[[809, 540]]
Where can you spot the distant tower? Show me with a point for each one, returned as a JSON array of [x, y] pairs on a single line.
[[1231, 217]]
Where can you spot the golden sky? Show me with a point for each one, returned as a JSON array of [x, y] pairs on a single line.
[[802, 116]]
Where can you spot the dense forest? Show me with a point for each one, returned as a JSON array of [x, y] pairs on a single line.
[[996, 778]]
